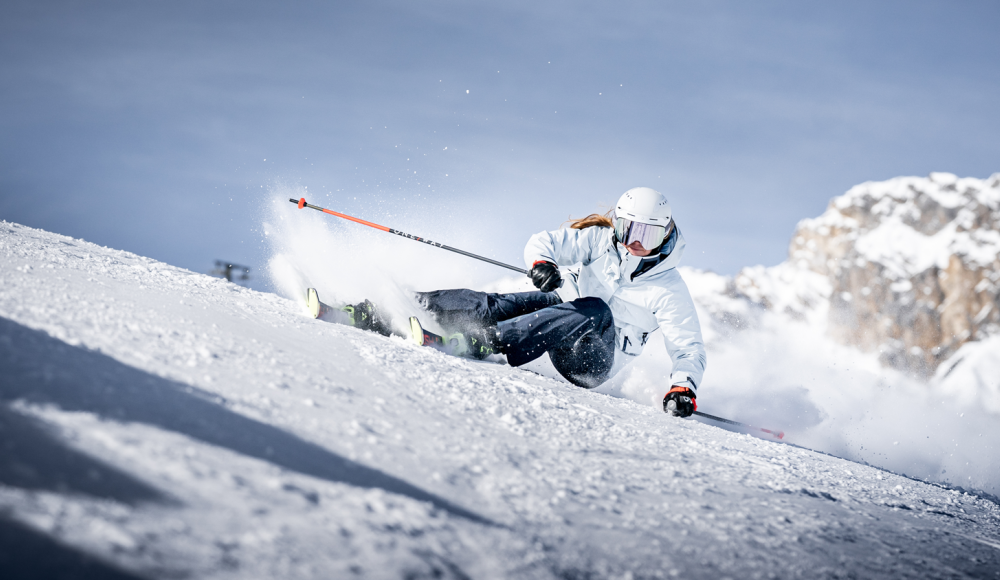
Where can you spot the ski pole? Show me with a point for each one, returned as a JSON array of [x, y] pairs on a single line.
[[778, 434], [302, 203]]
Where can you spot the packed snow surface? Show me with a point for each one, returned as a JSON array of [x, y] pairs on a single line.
[[161, 423]]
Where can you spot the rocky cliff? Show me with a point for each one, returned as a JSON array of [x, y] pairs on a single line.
[[908, 267]]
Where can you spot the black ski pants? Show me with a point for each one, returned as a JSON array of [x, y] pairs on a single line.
[[579, 335]]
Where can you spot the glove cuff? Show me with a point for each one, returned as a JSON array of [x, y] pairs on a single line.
[[685, 391], [681, 392]]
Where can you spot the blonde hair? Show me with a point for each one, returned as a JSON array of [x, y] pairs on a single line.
[[594, 219]]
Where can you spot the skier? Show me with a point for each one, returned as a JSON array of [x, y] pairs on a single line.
[[619, 283]]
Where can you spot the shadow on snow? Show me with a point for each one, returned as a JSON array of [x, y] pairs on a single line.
[[38, 368], [27, 554]]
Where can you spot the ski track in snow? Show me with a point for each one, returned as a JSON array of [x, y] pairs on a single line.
[[162, 423]]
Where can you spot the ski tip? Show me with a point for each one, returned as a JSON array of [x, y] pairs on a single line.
[[778, 434], [312, 302], [302, 202], [416, 331]]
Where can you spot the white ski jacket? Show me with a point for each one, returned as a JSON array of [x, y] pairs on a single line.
[[657, 298]]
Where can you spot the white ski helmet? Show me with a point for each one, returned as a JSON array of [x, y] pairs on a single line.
[[638, 206], [646, 205]]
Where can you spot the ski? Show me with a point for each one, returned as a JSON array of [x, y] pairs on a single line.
[[454, 344], [363, 316], [327, 313], [778, 434], [316, 308]]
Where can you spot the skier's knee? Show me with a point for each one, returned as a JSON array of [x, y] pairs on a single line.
[[596, 309]]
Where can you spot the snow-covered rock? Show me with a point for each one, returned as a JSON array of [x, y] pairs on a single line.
[[907, 268], [159, 423], [913, 266]]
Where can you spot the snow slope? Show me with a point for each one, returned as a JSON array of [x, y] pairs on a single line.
[[778, 367], [162, 423], [771, 362]]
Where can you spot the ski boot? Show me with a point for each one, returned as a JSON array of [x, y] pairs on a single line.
[[363, 315], [482, 341]]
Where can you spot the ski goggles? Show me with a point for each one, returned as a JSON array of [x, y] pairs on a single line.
[[649, 235]]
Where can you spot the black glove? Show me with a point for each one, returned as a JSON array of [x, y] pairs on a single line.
[[545, 276], [680, 402]]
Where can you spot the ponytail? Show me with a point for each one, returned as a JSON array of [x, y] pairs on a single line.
[[594, 219]]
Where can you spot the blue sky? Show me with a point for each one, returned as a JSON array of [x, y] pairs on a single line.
[[159, 127]]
